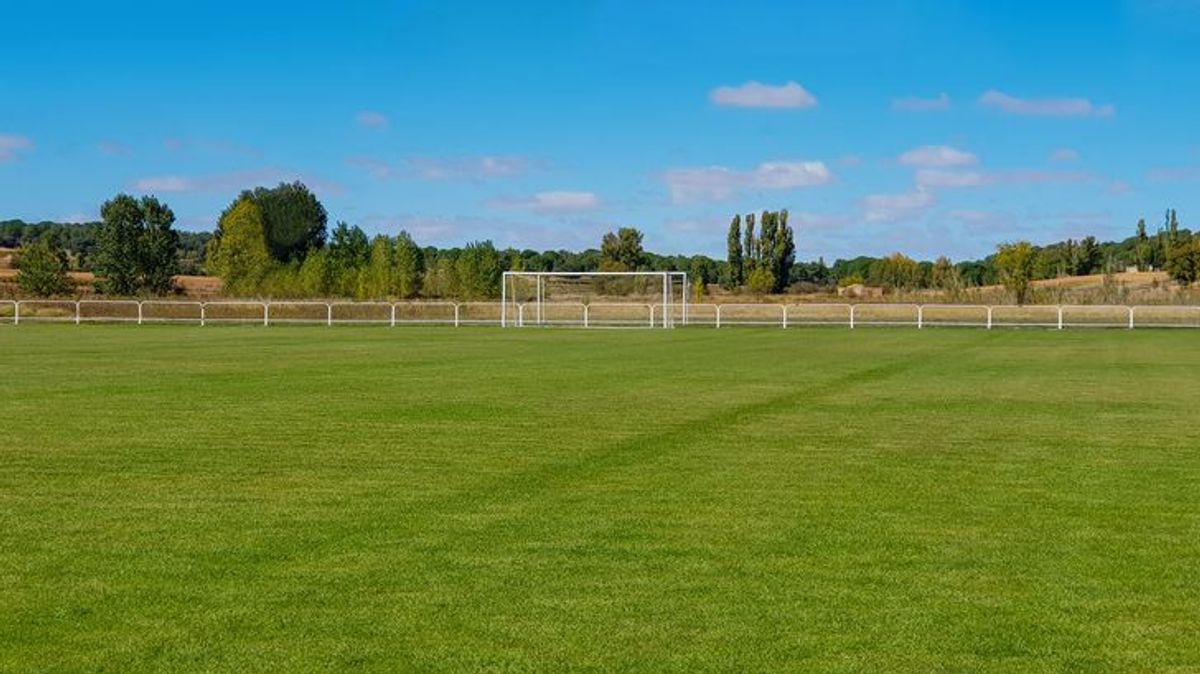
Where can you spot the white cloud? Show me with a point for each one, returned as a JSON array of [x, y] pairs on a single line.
[[551, 202], [893, 207], [785, 175], [918, 104], [818, 221], [481, 167], [1064, 154], [1045, 107], [229, 182], [376, 167], [942, 178], [719, 183], [758, 95], [937, 156], [471, 168], [371, 119], [1119, 187], [166, 184], [1038, 177], [11, 146]]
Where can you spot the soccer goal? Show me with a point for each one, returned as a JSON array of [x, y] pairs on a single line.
[[650, 299]]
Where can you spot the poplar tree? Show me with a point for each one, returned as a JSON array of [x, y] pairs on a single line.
[[733, 245]]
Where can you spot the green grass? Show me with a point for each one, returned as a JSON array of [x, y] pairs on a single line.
[[179, 499]]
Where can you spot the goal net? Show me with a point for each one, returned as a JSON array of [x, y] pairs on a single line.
[[594, 299]]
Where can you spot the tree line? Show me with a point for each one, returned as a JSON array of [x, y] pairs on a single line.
[[276, 242]]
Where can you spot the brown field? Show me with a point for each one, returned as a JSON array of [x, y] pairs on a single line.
[[191, 286]]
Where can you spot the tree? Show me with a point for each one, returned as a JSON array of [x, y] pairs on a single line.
[[315, 273], [410, 267], [349, 251], [240, 255], [779, 252], [622, 251], [761, 281], [137, 248], [158, 262], [119, 238], [42, 269], [478, 270], [1014, 262], [376, 279], [944, 275], [749, 248], [896, 271], [733, 245], [293, 219], [1183, 263], [1143, 251], [1089, 258]]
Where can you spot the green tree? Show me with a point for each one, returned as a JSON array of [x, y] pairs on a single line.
[[749, 248], [119, 254], [137, 250], [896, 271], [478, 270], [314, 274], [378, 276], [410, 267], [293, 219], [240, 255], [349, 252], [780, 251], [158, 261], [42, 269], [1090, 258], [1143, 251], [1014, 263], [761, 281], [1183, 263], [733, 244], [622, 251], [944, 275]]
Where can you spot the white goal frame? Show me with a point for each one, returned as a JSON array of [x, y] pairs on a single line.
[[666, 315]]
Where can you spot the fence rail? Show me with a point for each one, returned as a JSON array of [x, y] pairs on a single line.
[[598, 314]]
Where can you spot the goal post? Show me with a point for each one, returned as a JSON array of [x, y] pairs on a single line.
[[653, 299]]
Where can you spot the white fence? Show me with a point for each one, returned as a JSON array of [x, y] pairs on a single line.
[[597, 314]]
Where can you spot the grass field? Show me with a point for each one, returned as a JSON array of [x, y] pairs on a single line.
[[180, 499]]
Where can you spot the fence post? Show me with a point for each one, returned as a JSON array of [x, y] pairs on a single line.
[[585, 316], [266, 314], [328, 315], [392, 323], [77, 303], [718, 315], [139, 313], [1130, 318], [520, 315], [920, 316], [784, 307], [1060, 317], [203, 312], [989, 310], [17, 313], [852, 308], [456, 314]]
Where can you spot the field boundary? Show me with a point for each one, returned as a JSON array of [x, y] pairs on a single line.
[[597, 314]]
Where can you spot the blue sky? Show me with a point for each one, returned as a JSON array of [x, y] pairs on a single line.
[[927, 127]]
